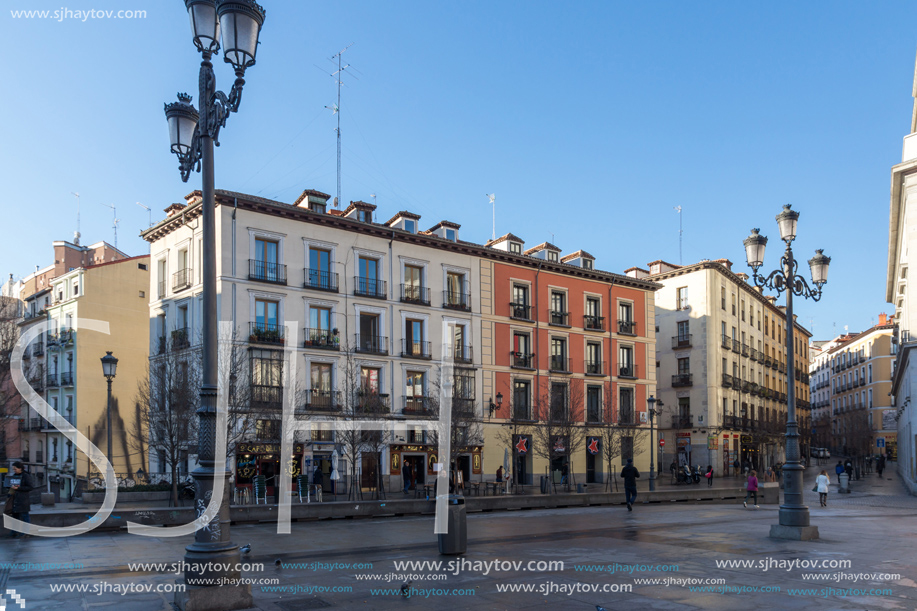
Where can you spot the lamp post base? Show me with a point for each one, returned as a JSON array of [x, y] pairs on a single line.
[[214, 598], [794, 533]]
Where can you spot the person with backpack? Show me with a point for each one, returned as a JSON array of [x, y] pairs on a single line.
[[751, 487], [709, 476], [21, 485], [630, 474]]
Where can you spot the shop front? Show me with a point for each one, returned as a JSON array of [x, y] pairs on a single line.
[[683, 442], [522, 459], [264, 459], [419, 460]]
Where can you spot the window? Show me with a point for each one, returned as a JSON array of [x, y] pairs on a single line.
[[413, 284], [317, 207], [626, 367], [370, 378], [521, 395], [743, 310], [414, 399], [594, 358], [460, 350], [733, 304], [869, 369], [626, 409], [558, 308], [522, 353], [450, 234], [684, 366], [558, 408], [626, 318], [593, 404], [587, 263], [368, 282], [320, 275], [266, 316], [321, 379], [369, 339], [683, 335], [365, 216], [456, 296], [552, 256], [267, 430], [265, 266], [161, 278], [520, 305], [682, 302], [267, 373], [558, 354], [515, 247], [414, 344], [410, 225], [723, 298]]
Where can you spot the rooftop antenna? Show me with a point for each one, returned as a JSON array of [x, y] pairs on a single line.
[[678, 210], [76, 234], [115, 221], [148, 211], [373, 195], [493, 198], [335, 109]]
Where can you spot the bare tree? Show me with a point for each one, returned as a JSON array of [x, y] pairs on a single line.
[[466, 429], [559, 432], [167, 400], [620, 434], [10, 316], [518, 424]]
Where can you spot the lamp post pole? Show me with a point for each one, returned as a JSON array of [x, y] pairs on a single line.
[[794, 516], [108, 409], [652, 410], [109, 370], [213, 559]]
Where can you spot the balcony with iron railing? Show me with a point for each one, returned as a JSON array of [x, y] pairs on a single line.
[[680, 380], [414, 294], [681, 341], [558, 364], [320, 280], [371, 344], [181, 338], [66, 378], [321, 339], [463, 354], [628, 370], [736, 346], [369, 287], [38, 349], [520, 311], [457, 301], [627, 417], [369, 402], [181, 279], [558, 319], [521, 360], [753, 354], [728, 381], [682, 421], [30, 424], [416, 349], [726, 342], [746, 386], [627, 327], [595, 368], [267, 271], [594, 323], [37, 382], [729, 422], [318, 400], [417, 406], [266, 333], [463, 407], [593, 414], [744, 349], [161, 289], [52, 381], [267, 396]]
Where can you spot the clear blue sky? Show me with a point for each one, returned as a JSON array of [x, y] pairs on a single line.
[[590, 121]]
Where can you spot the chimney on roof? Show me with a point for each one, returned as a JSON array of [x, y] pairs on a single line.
[[883, 317], [174, 209], [743, 276]]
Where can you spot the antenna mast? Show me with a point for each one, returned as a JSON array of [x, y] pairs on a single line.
[[678, 210], [493, 199], [115, 221], [76, 235], [336, 109], [148, 211]]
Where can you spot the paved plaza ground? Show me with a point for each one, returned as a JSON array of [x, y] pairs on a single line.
[[866, 557]]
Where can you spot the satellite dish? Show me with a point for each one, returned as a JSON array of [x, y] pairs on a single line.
[[335, 202]]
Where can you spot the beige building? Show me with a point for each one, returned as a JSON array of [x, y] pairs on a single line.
[[97, 282], [862, 417], [722, 375]]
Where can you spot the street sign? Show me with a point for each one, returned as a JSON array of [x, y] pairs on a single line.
[[880, 442], [662, 443]]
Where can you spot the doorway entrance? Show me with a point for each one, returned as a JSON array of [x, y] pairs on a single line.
[[418, 466]]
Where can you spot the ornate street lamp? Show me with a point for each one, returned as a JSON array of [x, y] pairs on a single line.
[[651, 409], [193, 135], [109, 370], [794, 516]]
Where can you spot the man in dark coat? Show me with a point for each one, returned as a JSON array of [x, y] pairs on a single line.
[[880, 465], [406, 475], [630, 474], [21, 485]]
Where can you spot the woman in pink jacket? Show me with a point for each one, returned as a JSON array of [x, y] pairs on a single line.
[[752, 488]]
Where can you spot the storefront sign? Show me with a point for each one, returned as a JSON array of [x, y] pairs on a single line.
[[476, 462], [558, 446], [265, 448], [522, 444], [396, 462], [746, 439], [592, 445]]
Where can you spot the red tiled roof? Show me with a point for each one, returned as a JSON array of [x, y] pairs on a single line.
[[579, 253], [543, 246], [405, 214]]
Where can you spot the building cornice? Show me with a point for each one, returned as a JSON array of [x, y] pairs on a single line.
[[294, 213], [896, 215]]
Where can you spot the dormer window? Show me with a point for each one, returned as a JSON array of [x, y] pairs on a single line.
[[552, 256], [450, 235], [587, 263], [317, 207], [365, 216], [515, 247], [410, 226]]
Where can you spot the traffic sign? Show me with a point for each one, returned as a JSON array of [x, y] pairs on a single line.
[[662, 443]]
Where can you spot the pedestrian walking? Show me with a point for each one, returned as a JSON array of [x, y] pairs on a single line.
[[880, 464], [630, 474], [751, 488], [839, 468], [770, 476], [848, 467], [21, 485], [406, 475], [821, 485], [746, 467], [709, 476]]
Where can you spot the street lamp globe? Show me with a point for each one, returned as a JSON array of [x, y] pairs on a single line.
[[499, 399], [109, 366], [182, 118], [819, 266], [786, 220], [241, 22], [754, 249], [204, 25]]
